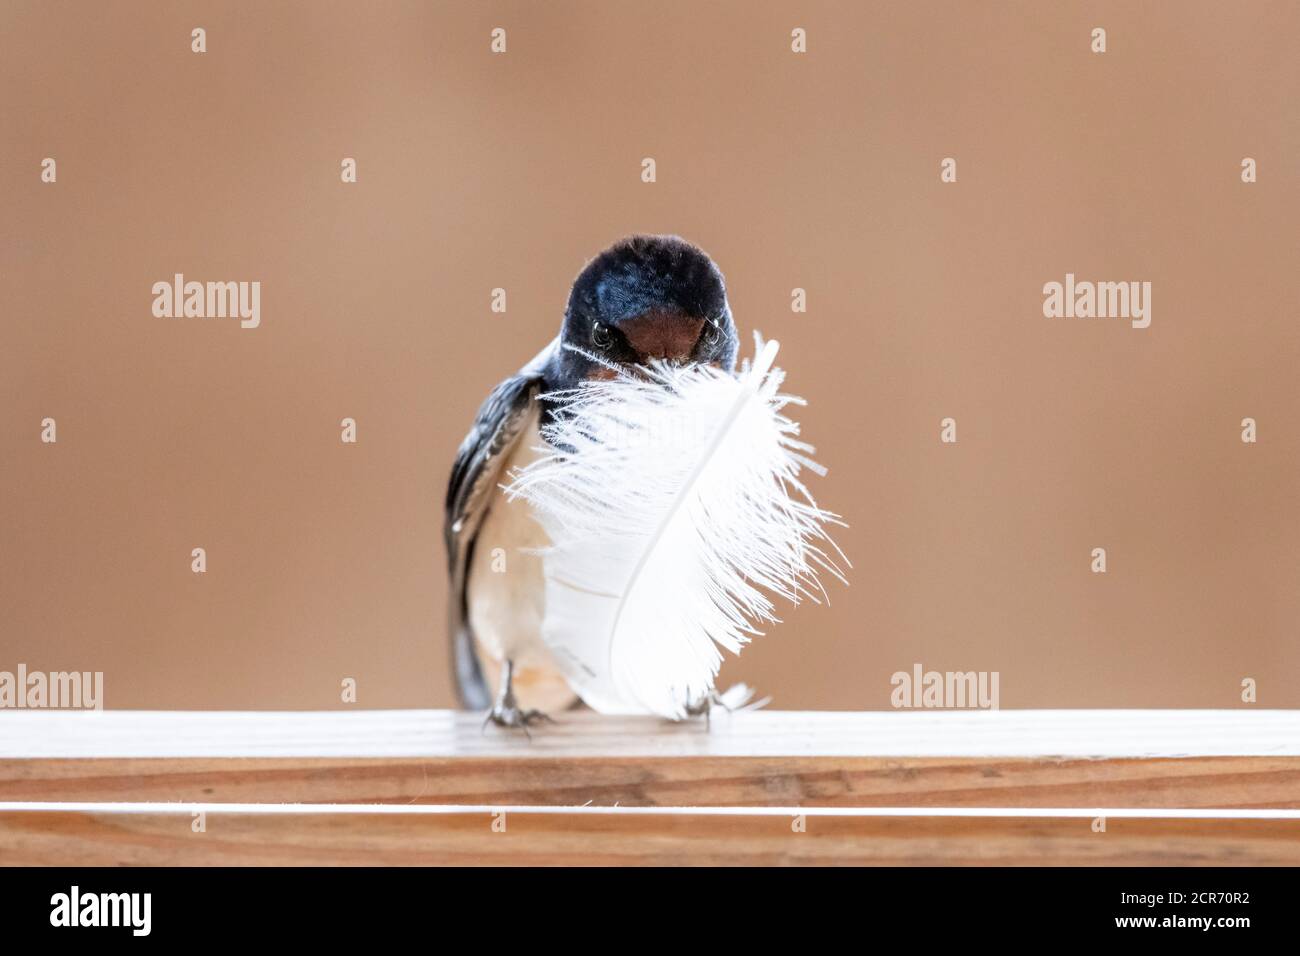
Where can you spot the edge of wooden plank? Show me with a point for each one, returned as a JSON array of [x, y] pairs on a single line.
[[446, 733], [443, 809], [1244, 782]]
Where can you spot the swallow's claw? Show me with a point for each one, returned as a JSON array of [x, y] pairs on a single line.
[[706, 702], [736, 698], [506, 714], [704, 706]]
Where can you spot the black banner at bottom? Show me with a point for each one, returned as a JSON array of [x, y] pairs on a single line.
[[681, 906]]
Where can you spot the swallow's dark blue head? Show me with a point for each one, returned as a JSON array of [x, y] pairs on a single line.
[[646, 298]]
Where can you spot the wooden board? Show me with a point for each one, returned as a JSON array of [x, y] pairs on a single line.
[[426, 787], [1198, 782], [666, 839]]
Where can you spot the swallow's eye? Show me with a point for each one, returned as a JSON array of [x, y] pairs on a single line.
[[600, 334], [712, 335]]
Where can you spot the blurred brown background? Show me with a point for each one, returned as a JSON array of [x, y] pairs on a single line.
[[818, 171]]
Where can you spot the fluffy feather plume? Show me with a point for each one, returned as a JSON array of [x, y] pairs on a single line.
[[675, 512]]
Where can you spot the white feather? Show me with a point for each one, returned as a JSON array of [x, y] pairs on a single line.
[[675, 513]]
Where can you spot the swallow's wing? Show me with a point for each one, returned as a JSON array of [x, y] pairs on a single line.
[[474, 476]]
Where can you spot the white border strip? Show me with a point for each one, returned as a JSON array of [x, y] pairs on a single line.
[[418, 809], [445, 733]]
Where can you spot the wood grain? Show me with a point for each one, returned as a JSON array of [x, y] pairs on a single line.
[[34, 838], [1218, 782]]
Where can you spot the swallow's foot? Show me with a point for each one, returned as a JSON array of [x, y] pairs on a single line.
[[705, 703], [734, 698], [507, 714]]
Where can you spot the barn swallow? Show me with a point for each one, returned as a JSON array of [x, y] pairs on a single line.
[[645, 299]]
